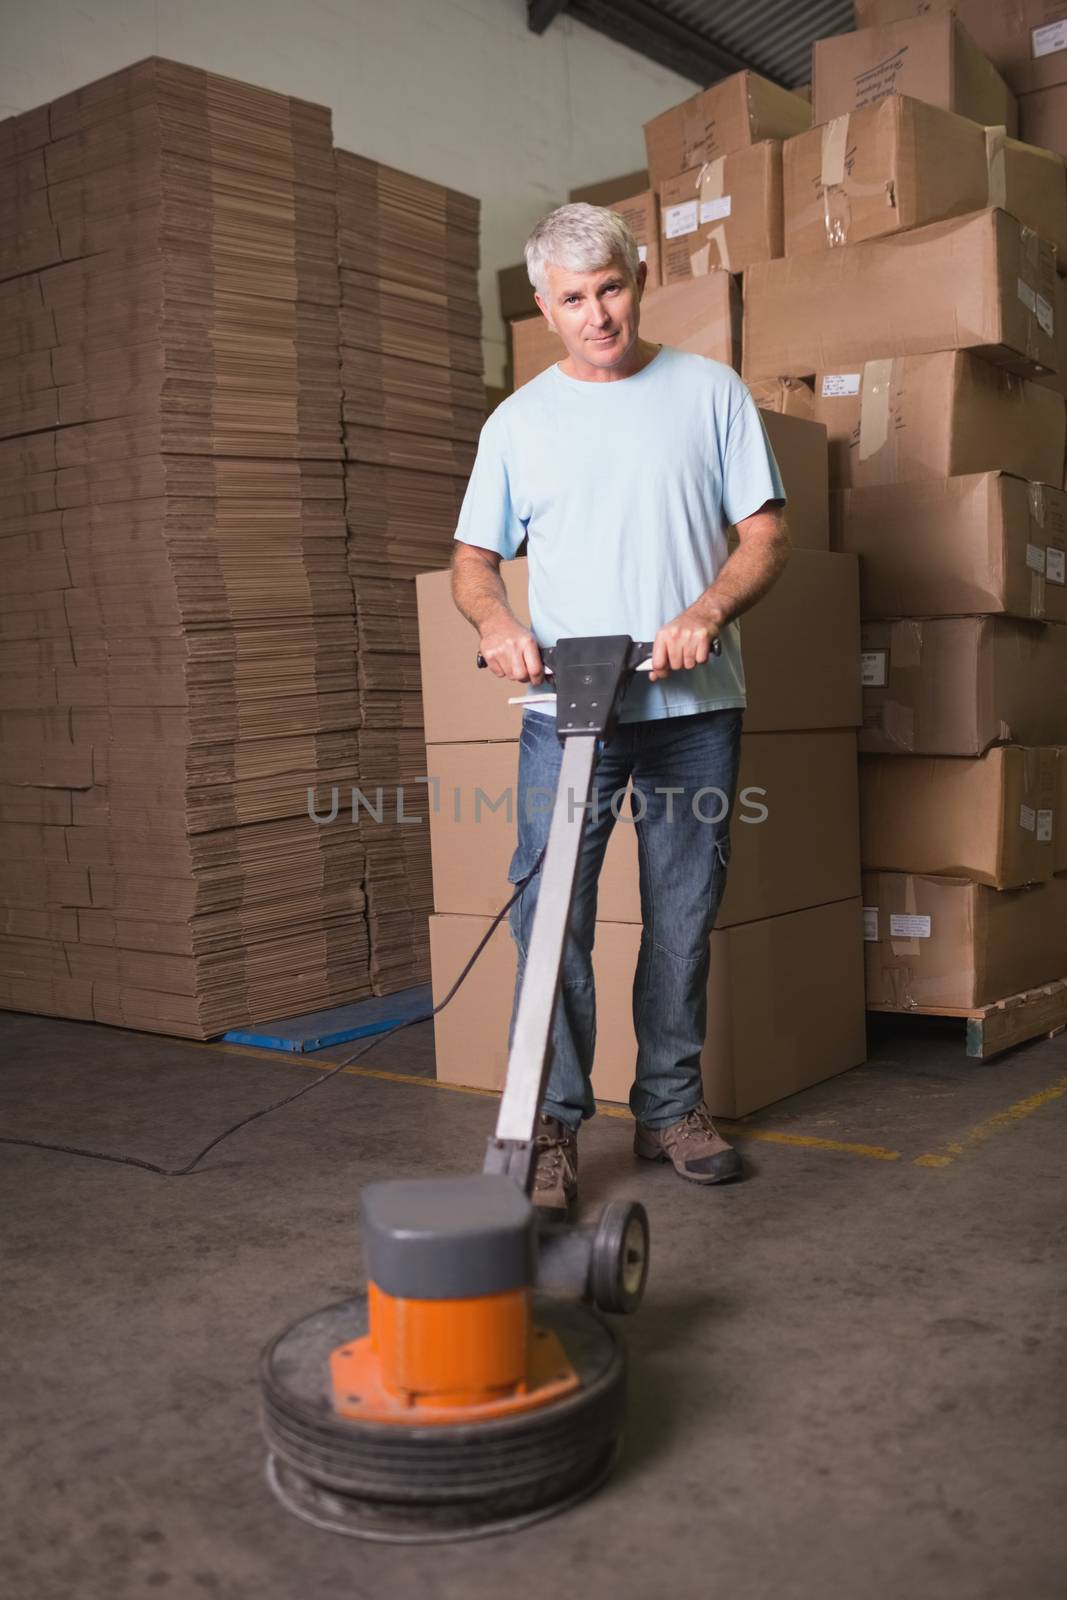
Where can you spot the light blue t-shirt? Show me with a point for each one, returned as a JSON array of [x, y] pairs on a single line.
[[626, 490]]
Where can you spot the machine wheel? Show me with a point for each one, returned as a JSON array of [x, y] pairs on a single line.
[[417, 1484], [619, 1265]]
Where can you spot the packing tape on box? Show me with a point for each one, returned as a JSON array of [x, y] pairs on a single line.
[[875, 391], [834, 151], [694, 131], [1037, 503], [836, 212], [714, 252], [905, 665], [995, 162], [699, 261], [1032, 278], [903, 946], [709, 181]]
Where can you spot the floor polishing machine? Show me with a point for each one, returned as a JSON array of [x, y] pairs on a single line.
[[476, 1387]]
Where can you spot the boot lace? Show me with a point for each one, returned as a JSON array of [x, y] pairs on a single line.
[[696, 1124], [551, 1160]]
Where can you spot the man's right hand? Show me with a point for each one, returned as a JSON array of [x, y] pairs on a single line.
[[513, 653]]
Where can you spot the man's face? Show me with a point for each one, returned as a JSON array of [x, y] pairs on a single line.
[[595, 313]]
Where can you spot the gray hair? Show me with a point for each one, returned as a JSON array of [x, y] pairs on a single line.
[[581, 238]]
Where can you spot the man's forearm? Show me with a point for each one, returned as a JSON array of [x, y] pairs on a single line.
[[479, 593], [745, 578]]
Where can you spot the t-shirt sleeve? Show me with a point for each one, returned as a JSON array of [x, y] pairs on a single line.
[[750, 475], [487, 517]]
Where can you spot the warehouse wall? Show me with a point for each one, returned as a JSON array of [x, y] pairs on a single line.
[[458, 91]]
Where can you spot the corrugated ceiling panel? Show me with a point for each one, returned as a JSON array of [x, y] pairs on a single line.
[[774, 36]]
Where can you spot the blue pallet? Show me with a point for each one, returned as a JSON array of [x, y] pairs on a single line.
[[318, 1029]]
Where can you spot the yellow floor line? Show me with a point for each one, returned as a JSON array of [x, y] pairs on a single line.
[[606, 1108], [1000, 1123]]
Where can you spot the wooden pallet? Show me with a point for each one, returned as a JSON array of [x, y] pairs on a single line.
[[990, 1029]]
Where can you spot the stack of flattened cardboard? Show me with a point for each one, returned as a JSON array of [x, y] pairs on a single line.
[[177, 628], [414, 402], [918, 296]]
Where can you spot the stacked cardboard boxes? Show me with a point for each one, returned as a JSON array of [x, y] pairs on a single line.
[[921, 331], [207, 483], [785, 992], [177, 625], [1026, 41], [713, 207], [414, 403]]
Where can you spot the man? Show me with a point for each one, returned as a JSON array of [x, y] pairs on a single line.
[[623, 466]]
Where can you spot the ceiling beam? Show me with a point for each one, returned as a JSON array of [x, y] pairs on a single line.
[[641, 26]]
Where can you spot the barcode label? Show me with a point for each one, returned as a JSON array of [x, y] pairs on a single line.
[[872, 668], [713, 210], [1044, 827], [680, 220], [1047, 40], [841, 383]]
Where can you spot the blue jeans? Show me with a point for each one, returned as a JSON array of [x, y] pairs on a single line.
[[684, 776]]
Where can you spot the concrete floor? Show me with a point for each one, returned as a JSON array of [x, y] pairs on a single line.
[[847, 1378]]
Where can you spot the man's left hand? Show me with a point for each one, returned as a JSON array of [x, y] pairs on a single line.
[[685, 642]]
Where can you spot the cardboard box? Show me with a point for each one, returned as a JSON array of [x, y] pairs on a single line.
[[993, 818], [795, 840], [1031, 185], [986, 543], [801, 453], [931, 58], [911, 418], [789, 397], [516, 293], [703, 316], [1026, 40], [897, 164], [1057, 381], [973, 283], [640, 212], [1043, 119], [1059, 826], [785, 1006], [611, 190], [733, 114], [953, 686], [939, 941], [726, 213], [799, 646]]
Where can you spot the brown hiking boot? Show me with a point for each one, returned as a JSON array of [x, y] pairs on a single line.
[[697, 1150], [556, 1178]]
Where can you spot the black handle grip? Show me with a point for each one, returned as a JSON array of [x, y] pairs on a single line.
[[639, 652]]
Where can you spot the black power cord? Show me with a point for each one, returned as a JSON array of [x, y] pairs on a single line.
[[287, 1100]]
